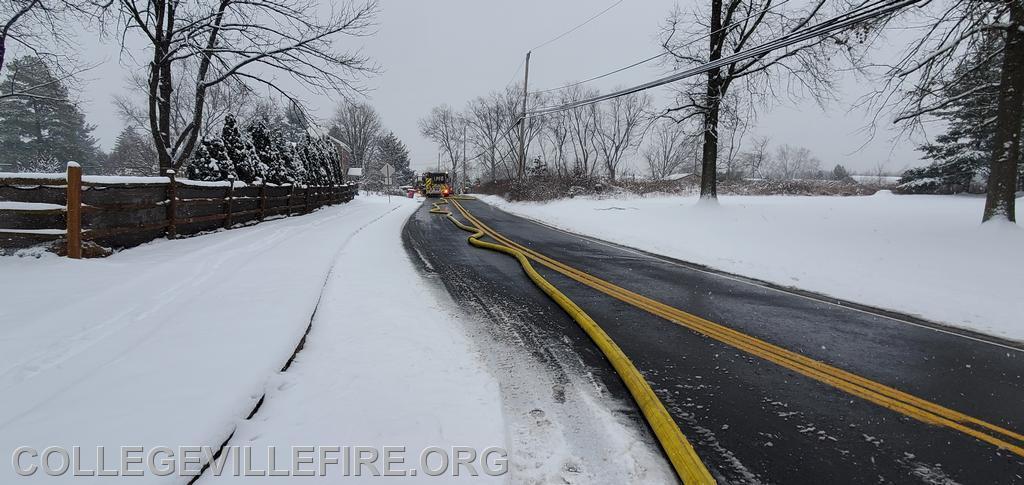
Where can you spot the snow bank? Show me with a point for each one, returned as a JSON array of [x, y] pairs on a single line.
[[172, 342], [386, 364], [28, 206], [919, 254]]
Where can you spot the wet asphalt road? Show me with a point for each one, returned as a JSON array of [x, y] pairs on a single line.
[[751, 420]]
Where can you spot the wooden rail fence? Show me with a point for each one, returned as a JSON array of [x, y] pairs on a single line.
[[118, 212]]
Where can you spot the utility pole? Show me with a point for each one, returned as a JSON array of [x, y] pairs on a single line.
[[522, 122]]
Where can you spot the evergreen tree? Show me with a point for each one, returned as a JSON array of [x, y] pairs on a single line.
[[239, 152], [42, 164], [294, 124], [210, 162], [43, 129], [392, 151], [133, 154], [311, 154], [960, 156], [267, 154], [841, 174], [294, 169]]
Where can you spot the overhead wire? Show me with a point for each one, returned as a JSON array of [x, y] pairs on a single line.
[[574, 29], [663, 54], [539, 46], [857, 15]]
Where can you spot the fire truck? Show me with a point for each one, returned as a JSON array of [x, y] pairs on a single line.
[[435, 184]]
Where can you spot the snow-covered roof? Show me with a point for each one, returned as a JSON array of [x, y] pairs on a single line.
[[355, 171]]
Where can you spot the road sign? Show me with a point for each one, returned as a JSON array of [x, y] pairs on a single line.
[[387, 170]]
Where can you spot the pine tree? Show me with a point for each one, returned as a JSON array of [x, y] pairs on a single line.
[[267, 154], [239, 151], [961, 156], [133, 154], [294, 169], [391, 150], [43, 128], [309, 153], [42, 164], [210, 162], [841, 174]]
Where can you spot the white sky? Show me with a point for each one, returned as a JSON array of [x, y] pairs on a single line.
[[449, 51]]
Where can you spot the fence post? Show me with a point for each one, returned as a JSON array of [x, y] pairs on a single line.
[[263, 199], [231, 200], [172, 205], [305, 210], [74, 211], [291, 194]]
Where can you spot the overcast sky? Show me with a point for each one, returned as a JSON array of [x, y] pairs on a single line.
[[449, 51]]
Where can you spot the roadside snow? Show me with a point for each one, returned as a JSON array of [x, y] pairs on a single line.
[[919, 254], [173, 342], [386, 364]]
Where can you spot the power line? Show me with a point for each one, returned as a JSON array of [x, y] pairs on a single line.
[[515, 74], [663, 54], [860, 14], [574, 29]]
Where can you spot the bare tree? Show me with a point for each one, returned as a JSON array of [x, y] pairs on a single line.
[[247, 41], [358, 126], [582, 124], [757, 157], [665, 154], [958, 38], [230, 97], [487, 120], [618, 126], [445, 127], [555, 143], [37, 27], [734, 26], [790, 163]]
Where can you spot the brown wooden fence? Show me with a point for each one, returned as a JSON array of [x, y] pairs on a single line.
[[117, 212]]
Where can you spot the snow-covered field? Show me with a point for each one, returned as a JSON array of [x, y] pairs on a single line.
[[172, 343], [919, 254]]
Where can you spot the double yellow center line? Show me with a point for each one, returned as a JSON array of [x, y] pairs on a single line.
[[880, 394], [684, 459]]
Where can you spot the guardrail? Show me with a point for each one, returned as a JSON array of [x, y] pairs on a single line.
[[78, 210]]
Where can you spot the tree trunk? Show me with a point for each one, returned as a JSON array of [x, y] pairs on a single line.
[[712, 101], [1002, 179]]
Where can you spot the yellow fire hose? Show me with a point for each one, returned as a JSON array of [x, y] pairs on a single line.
[[687, 464]]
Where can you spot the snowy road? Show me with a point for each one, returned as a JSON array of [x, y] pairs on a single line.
[[846, 396]]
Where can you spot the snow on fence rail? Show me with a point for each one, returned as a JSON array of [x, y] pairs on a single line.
[[118, 212]]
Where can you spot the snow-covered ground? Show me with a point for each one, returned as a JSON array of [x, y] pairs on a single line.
[[172, 343], [385, 364], [919, 254]]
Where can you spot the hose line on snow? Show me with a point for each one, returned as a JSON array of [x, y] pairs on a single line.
[[687, 464]]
